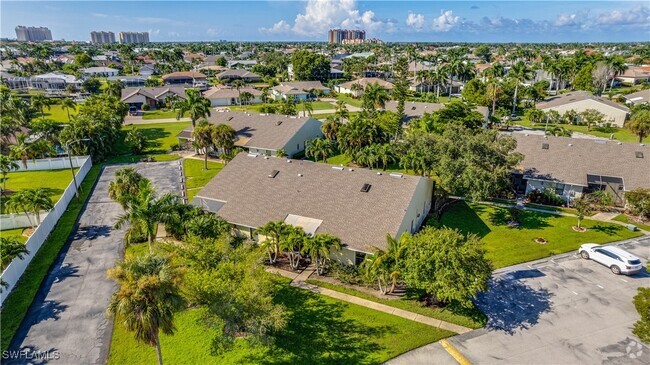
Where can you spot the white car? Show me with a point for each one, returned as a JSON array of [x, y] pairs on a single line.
[[618, 260]]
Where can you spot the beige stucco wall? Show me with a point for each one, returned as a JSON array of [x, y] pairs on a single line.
[[310, 130], [612, 115], [418, 208]]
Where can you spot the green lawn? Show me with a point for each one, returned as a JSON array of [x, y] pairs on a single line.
[[625, 219], [320, 330], [159, 114], [508, 246], [349, 100], [620, 134], [197, 177], [454, 314], [16, 305], [14, 233], [160, 136], [55, 180], [325, 115], [57, 113]]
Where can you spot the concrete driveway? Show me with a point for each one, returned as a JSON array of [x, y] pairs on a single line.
[[66, 323], [562, 310]]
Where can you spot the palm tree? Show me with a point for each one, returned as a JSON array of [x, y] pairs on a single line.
[[22, 150], [493, 92], [272, 232], [40, 102], [195, 105], [10, 248], [68, 104], [36, 200], [18, 202], [519, 72], [147, 298], [330, 128], [125, 184], [293, 241], [203, 140], [114, 88], [558, 131], [640, 123], [6, 165], [385, 154], [355, 88], [383, 265], [318, 147], [308, 108], [145, 211], [238, 84], [224, 137], [374, 96], [246, 97], [319, 248], [618, 66], [341, 110]]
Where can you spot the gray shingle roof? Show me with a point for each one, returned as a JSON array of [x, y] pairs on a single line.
[[261, 130], [639, 97], [576, 96], [569, 160], [416, 109], [334, 196]]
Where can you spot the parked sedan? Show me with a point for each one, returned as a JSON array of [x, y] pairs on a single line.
[[618, 260]]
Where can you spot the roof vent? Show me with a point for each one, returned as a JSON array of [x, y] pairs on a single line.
[[638, 154], [396, 174], [544, 146], [278, 122], [570, 144], [526, 134], [413, 108], [229, 118], [273, 174], [619, 143], [340, 168], [379, 173], [288, 161], [299, 175], [365, 188], [350, 170], [266, 157]]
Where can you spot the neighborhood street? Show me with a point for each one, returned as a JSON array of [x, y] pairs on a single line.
[[66, 323], [560, 310]]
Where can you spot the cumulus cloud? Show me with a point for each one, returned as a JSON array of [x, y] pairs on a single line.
[[563, 20], [415, 20], [277, 28], [446, 21], [154, 31], [212, 32], [636, 16], [321, 15]]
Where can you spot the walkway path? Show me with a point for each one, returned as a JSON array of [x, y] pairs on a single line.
[[299, 281]]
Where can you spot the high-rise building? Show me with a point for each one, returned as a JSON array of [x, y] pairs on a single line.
[[134, 37], [338, 36], [33, 34], [102, 37]]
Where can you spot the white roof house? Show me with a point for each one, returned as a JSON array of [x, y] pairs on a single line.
[[99, 72]]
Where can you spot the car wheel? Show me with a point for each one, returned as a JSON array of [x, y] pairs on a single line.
[[584, 255], [615, 269]]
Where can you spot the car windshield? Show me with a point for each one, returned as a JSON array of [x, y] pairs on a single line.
[[634, 262]]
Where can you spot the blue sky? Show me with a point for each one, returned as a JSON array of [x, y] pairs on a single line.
[[457, 21]]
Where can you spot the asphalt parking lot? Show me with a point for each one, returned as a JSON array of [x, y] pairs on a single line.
[[66, 323], [562, 310]]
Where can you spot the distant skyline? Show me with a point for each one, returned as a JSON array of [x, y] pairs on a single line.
[[421, 21]]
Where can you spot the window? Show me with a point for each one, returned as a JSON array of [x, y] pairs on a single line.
[[559, 189], [359, 257]]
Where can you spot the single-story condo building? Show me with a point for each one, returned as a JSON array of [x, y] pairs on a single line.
[[416, 109], [573, 166], [187, 79], [635, 75], [579, 101], [299, 90], [224, 96], [638, 98], [99, 72], [357, 205], [347, 87], [152, 96], [264, 133]]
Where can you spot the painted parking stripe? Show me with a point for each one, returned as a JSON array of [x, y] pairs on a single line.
[[624, 280], [453, 351]]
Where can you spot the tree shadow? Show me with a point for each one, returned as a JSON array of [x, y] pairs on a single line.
[[499, 217], [510, 304], [464, 218], [533, 220], [64, 272], [92, 232], [317, 332], [49, 309], [609, 230]]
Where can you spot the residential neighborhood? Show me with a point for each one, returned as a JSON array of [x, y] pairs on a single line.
[[325, 182]]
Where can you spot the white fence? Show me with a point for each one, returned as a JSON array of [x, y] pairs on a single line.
[[19, 220], [17, 267], [52, 163]]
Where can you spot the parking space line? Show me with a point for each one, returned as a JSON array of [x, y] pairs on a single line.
[[624, 280], [453, 351]]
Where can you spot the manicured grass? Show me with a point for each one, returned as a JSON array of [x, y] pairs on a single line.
[[320, 330], [472, 318], [57, 113], [620, 134], [551, 208], [326, 115], [138, 158], [17, 303], [197, 177], [159, 114], [349, 100], [625, 219], [160, 136], [508, 246], [55, 180], [16, 233]]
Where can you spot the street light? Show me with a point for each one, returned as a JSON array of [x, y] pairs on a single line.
[[74, 178]]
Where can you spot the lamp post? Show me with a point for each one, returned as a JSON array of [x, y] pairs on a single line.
[[74, 178]]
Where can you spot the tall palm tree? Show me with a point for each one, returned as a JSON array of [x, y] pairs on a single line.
[[22, 150], [224, 137], [40, 102], [319, 248], [319, 147], [272, 232], [238, 84], [308, 108], [519, 72], [147, 298], [493, 92], [195, 104], [6, 165], [341, 110], [125, 184], [640, 123], [293, 241], [330, 128], [618, 66], [246, 97], [18, 202], [383, 265], [67, 104], [36, 200], [374, 96], [10, 248], [203, 140], [145, 211]]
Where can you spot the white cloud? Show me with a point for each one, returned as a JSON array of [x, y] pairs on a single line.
[[173, 34], [279, 27], [154, 31], [99, 15], [566, 20], [446, 21], [636, 16], [321, 15], [212, 32], [415, 20]]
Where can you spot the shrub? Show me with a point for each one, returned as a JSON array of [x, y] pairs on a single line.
[[175, 147], [136, 141], [269, 109], [347, 274], [638, 201], [546, 197], [514, 214], [642, 304], [145, 107]]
